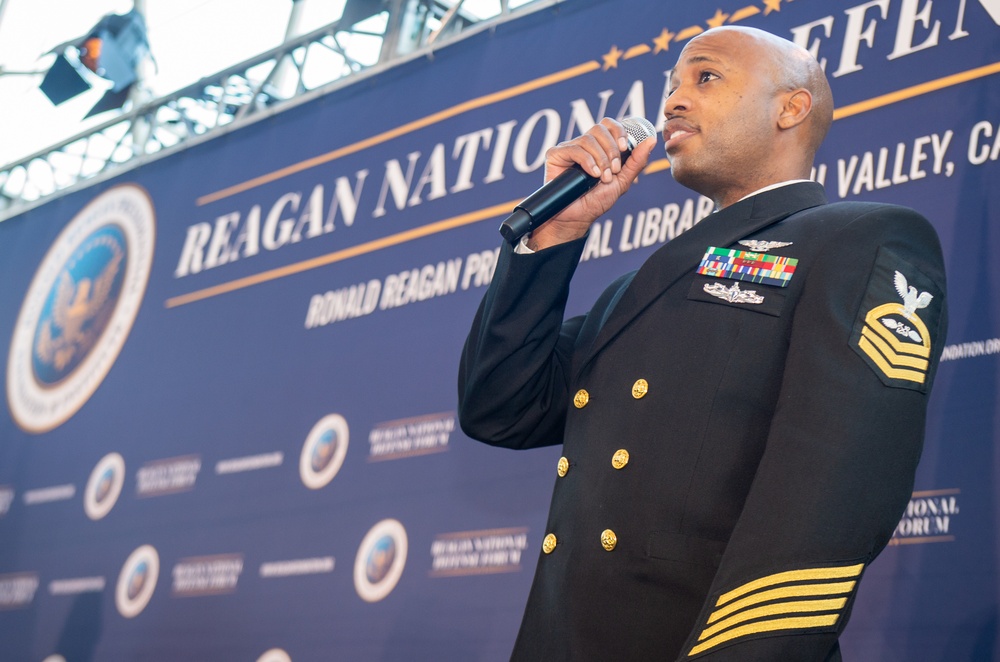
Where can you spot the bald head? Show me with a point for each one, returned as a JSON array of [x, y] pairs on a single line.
[[745, 109], [789, 67]]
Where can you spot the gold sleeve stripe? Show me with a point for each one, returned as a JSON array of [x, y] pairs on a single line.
[[797, 606], [892, 373], [809, 574], [792, 623], [898, 359], [797, 591]]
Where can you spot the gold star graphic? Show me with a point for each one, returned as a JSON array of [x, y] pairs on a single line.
[[718, 19], [611, 58], [662, 42], [772, 5]]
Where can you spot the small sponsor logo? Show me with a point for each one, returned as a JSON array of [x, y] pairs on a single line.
[[380, 560], [324, 451], [207, 575], [104, 486], [169, 476], [478, 552], [137, 581], [929, 518], [409, 437], [17, 590]]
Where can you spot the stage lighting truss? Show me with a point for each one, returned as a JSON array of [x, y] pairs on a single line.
[[304, 67]]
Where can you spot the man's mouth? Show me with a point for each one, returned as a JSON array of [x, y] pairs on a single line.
[[676, 132]]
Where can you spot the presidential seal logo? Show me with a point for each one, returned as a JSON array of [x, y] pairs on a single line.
[[104, 486], [380, 560], [137, 581], [79, 308], [324, 451]]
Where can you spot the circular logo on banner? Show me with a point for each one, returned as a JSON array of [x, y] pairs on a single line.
[[274, 655], [137, 581], [380, 560], [104, 486], [324, 451], [80, 307]]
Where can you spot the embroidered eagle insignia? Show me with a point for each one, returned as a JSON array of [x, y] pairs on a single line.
[[912, 301]]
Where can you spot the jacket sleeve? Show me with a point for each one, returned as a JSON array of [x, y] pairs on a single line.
[[515, 365], [842, 449]]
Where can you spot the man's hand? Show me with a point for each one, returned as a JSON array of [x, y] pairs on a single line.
[[599, 153]]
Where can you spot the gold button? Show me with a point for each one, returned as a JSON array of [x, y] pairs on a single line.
[[608, 539], [619, 459], [581, 398], [562, 467], [549, 543], [640, 388]]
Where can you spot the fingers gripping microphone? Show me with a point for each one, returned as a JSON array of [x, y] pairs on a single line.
[[562, 190]]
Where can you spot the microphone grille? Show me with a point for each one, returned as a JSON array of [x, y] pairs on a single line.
[[638, 128]]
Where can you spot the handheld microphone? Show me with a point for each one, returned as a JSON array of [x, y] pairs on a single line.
[[562, 190]]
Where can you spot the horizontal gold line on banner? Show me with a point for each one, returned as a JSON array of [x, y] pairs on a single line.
[[330, 258], [484, 533], [916, 90], [933, 493], [421, 123], [893, 542], [466, 572], [417, 452]]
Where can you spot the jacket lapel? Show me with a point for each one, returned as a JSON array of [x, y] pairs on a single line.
[[683, 254]]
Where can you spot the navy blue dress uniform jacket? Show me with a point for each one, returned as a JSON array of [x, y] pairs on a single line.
[[732, 461]]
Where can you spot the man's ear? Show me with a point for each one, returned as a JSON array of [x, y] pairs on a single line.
[[796, 108]]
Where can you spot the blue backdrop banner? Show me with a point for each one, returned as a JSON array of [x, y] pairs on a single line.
[[228, 428]]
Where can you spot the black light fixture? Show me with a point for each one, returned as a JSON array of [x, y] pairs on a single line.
[[111, 49]]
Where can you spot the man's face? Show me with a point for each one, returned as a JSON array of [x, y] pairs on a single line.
[[721, 113]]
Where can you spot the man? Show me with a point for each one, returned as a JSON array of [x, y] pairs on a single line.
[[739, 441]]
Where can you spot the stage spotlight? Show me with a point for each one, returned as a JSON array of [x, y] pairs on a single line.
[[111, 49]]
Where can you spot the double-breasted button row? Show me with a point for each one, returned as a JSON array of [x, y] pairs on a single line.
[[609, 540], [639, 390], [618, 461]]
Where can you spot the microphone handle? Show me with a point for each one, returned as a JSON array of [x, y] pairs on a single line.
[[554, 196]]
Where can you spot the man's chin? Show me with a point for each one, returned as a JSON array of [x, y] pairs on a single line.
[[684, 175]]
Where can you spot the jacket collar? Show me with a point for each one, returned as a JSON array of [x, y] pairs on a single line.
[[683, 254]]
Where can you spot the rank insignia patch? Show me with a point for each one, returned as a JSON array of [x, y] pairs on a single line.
[[747, 266], [893, 332]]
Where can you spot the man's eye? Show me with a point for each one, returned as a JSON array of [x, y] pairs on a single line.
[[706, 76]]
